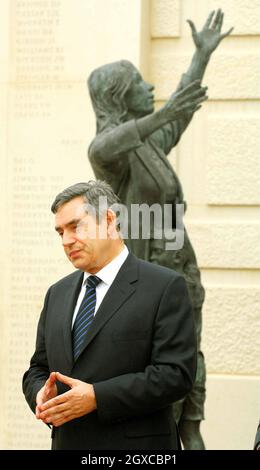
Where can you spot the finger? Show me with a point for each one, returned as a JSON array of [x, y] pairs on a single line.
[[197, 93], [192, 26], [56, 401], [217, 19], [220, 23], [189, 88], [49, 388], [51, 380], [188, 107], [37, 412], [195, 85], [65, 379], [58, 422], [206, 25], [197, 101], [201, 100], [52, 419], [60, 416], [52, 377], [191, 105], [55, 410], [183, 91], [227, 33], [193, 95], [197, 108], [39, 400]]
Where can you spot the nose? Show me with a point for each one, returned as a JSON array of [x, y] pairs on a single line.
[[150, 86], [68, 239]]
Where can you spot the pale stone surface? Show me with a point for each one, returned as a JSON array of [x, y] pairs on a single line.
[[226, 245], [233, 166], [58, 41], [237, 278], [234, 75], [243, 14], [165, 18], [4, 226], [231, 329], [232, 412], [241, 81], [50, 111]]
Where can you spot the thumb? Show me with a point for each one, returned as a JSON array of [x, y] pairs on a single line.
[[52, 378], [192, 26], [50, 381], [227, 33], [65, 379]]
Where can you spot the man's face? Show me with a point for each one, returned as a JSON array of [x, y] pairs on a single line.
[[139, 97], [85, 242]]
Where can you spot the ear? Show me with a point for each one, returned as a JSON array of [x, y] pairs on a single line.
[[111, 224]]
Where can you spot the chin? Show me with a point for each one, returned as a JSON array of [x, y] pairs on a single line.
[[81, 265], [150, 110], [146, 112], [76, 263]]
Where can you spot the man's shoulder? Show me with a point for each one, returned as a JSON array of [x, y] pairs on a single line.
[[156, 271], [67, 280]]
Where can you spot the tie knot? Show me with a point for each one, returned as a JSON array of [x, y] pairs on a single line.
[[93, 281]]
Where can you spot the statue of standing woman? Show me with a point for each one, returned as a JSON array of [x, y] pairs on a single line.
[[129, 152]]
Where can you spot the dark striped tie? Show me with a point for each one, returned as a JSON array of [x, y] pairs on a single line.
[[85, 315]]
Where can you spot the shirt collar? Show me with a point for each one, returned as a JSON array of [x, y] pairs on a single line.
[[108, 273]]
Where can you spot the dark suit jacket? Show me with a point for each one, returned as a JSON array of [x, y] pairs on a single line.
[[139, 354]]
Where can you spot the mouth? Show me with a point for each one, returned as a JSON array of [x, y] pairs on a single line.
[[74, 254]]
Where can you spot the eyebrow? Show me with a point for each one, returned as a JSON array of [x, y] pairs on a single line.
[[71, 222]]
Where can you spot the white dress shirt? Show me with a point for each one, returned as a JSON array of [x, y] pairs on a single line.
[[107, 276]]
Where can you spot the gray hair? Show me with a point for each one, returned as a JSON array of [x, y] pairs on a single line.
[[91, 192]]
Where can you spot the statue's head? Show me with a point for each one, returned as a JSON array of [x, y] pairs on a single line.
[[118, 93]]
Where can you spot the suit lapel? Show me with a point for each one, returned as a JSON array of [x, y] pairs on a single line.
[[121, 289], [70, 299]]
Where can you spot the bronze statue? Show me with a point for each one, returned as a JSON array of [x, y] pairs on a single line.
[[129, 152]]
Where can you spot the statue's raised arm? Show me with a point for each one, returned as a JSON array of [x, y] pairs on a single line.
[[120, 96], [206, 41]]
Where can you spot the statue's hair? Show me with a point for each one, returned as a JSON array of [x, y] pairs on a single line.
[[107, 87]]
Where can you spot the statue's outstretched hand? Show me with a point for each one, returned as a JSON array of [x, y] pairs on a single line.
[[188, 99], [210, 36]]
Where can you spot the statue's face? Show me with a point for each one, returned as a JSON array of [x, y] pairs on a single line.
[[139, 97]]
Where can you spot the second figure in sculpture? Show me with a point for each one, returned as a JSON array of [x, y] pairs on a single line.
[[129, 152]]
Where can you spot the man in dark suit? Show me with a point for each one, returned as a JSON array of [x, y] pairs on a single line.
[[115, 342]]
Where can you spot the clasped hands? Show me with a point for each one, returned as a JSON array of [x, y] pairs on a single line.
[[56, 409]]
